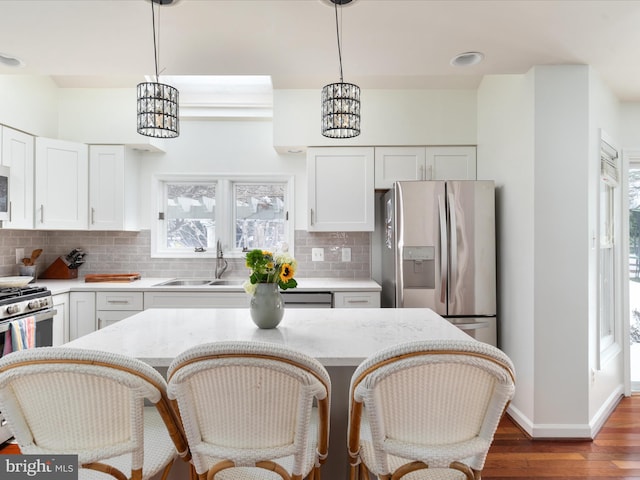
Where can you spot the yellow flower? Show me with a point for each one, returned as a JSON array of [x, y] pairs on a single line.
[[286, 272]]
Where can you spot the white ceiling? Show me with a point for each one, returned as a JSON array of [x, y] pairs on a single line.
[[386, 43]]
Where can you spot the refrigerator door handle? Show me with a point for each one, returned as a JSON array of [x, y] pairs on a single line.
[[443, 249], [453, 245]]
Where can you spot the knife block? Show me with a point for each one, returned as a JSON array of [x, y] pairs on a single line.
[[60, 270]]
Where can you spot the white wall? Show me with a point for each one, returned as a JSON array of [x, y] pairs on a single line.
[[389, 117], [102, 116], [505, 154], [29, 103], [538, 137]]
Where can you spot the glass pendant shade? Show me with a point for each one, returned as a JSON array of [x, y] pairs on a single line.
[[158, 110], [341, 110]]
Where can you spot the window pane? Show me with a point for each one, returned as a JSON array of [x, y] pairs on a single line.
[[190, 215], [259, 215]]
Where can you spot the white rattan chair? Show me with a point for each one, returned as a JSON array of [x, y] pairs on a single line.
[[248, 411], [91, 403], [427, 410]]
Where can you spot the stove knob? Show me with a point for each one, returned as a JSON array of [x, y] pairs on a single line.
[[11, 309], [33, 304]]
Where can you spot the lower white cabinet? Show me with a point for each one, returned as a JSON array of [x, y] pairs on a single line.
[[356, 300], [196, 300], [112, 307], [82, 314], [61, 319]]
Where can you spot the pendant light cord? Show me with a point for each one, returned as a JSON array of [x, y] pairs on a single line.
[[335, 4], [155, 50]]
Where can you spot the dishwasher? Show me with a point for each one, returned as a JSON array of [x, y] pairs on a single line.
[[308, 299]]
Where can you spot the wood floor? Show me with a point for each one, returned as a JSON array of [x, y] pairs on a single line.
[[613, 454]]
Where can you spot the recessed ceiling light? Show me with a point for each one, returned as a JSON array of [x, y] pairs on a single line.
[[10, 61], [467, 59]]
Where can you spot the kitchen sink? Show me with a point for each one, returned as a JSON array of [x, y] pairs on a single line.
[[194, 282]]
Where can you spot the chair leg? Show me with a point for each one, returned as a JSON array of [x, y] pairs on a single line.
[[167, 469]]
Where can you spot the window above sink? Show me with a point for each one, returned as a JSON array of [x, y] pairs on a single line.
[[242, 212]]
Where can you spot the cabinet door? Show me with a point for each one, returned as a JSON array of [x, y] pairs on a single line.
[[395, 164], [62, 185], [82, 314], [61, 319], [341, 189], [451, 163], [17, 154], [106, 187]]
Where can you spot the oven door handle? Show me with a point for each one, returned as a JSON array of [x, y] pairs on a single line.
[[39, 316]]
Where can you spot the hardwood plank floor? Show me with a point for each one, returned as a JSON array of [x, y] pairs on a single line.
[[613, 454]]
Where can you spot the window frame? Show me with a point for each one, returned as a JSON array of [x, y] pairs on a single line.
[[225, 211]]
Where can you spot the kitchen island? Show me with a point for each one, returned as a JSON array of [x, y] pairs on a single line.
[[339, 338]]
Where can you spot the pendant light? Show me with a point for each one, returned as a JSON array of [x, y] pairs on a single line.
[[157, 102], [340, 101]]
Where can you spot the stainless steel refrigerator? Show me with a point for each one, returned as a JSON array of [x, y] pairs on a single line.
[[439, 252]]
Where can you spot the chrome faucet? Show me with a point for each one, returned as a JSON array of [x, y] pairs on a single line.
[[221, 263]]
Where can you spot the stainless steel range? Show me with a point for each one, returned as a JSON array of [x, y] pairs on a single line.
[[24, 302]]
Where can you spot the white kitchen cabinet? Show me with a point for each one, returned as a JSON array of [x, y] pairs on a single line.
[[113, 187], [61, 319], [82, 314], [112, 307], [205, 299], [61, 185], [18, 154], [399, 163], [394, 164], [356, 300], [341, 189], [451, 163]]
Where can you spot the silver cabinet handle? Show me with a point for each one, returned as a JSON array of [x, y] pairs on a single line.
[[357, 301], [41, 213], [311, 216], [93, 215], [10, 211]]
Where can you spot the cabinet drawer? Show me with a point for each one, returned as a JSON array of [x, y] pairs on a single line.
[[356, 300], [119, 301]]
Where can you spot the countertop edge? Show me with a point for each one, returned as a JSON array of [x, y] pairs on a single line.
[[151, 285]]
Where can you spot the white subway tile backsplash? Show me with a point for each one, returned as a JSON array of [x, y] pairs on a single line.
[[123, 252]]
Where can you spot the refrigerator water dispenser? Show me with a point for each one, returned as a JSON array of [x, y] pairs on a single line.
[[418, 267]]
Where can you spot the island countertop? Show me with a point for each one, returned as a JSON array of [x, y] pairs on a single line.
[[336, 337]]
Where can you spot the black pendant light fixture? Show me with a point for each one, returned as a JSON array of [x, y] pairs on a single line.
[[157, 102], [340, 101]]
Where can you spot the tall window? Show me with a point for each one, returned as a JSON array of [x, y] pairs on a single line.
[[242, 213], [609, 177]]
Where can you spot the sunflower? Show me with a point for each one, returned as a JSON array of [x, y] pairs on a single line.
[[286, 272]]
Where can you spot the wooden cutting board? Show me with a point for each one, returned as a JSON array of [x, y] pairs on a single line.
[[112, 277]]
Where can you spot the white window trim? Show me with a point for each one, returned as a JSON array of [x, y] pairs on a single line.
[[224, 216]]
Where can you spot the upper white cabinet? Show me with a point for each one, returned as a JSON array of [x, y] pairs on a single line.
[[394, 164], [340, 189], [424, 163], [61, 185], [113, 178], [17, 154], [451, 163]]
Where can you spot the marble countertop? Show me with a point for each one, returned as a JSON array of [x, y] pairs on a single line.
[[336, 337], [151, 284]]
